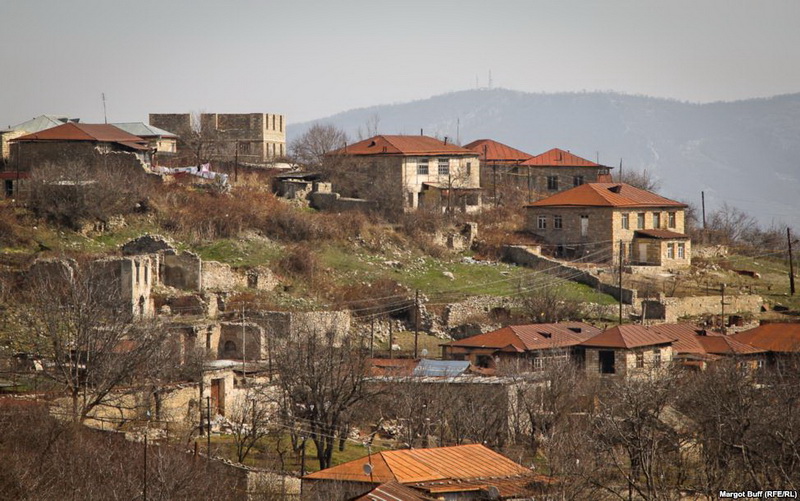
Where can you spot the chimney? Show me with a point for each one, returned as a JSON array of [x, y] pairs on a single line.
[[420, 132], [445, 139]]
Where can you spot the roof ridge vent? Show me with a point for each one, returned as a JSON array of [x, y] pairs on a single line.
[[576, 330], [615, 189]]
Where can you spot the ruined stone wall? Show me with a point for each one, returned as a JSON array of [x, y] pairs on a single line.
[[335, 203], [26, 156], [182, 271], [285, 324], [220, 276], [672, 309], [236, 336], [521, 255]]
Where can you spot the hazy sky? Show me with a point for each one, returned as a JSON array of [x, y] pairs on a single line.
[[309, 59]]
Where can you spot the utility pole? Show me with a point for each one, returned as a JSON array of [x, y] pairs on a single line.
[[208, 423], [416, 323], [620, 282], [722, 291], [391, 339], [303, 459], [372, 338], [703, 205], [791, 262], [105, 116], [236, 163], [244, 355]]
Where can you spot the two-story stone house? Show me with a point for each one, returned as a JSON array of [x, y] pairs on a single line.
[[592, 221], [421, 170], [557, 170]]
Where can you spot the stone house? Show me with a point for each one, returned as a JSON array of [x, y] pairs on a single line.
[[36, 124], [419, 171], [557, 170], [628, 351], [696, 347], [257, 137], [462, 472], [500, 165], [534, 345], [158, 140], [780, 341], [593, 219]]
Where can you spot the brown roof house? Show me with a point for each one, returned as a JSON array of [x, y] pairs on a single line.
[[781, 341], [418, 171], [628, 351], [532, 344], [70, 145], [557, 170], [500, 166], [463, 472], [591, 220], [696, 347]]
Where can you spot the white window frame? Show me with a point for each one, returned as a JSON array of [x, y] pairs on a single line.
[[671, 219], [626, 221], [681, 251], [444, 166], [422, 167], [670, 250], [541, 222]]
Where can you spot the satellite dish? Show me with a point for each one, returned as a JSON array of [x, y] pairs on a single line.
[[367, 469], [493, 492], [424, 352]]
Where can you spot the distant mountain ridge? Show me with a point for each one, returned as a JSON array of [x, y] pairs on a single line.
[[744, 152]]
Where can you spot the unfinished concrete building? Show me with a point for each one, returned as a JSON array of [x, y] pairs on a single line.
[[257, 137]]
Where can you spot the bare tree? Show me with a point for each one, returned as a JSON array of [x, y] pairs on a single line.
[[643, 179], [250, 418], [310, 148], [729, 224], [74, 319], [322, 383]]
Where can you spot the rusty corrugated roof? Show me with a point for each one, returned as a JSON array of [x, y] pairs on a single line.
[[493, 151], [777, 337], [686, 337], [403, 145], [559, 158], [606, 195], [393, 491], [530, 337], [83, 132], [726, 345], [628, 336], [661, 234], [461, 462]]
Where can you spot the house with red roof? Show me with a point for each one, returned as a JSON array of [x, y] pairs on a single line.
[[536, 345], [592, 220], [780, 341], [628, 351], [557, 170], [420, 171], [463, 472]]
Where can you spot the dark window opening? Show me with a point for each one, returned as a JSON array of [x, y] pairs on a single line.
[[607, 362]]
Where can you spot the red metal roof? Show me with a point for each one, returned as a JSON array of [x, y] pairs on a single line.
[[726, 345], [403, 145], [629, 336], [496, 152], [530, 337], [661, 234], [393, 491], [560, 158], [72, 131], [606, 195], [777, 337], [461, 462]]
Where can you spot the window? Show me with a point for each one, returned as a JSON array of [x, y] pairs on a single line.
[[630, 251], [484, 361], [657, 357], [557, 222], [541, 222], [606, 362], [444, 166], [639, 360], [681, 251], [577, 180], [671, 219], [538, 363], [584, 226], [671, 251], [552, 183], [656, 220], [626, 224], [469, 168], [422, 167], [640, 220]]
